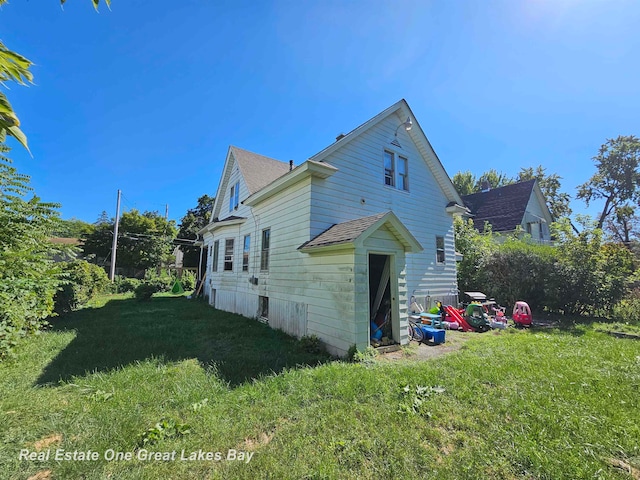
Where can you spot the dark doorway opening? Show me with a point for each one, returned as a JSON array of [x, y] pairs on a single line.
[[380, 302]]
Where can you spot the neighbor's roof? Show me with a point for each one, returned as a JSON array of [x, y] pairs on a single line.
[[502, 207], [257, 170]]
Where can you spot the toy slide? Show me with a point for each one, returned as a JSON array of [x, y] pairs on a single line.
[[455, 314]]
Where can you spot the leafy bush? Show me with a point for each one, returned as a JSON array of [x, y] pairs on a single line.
[[627, 310], [126, 284], [163, 282], [311, 344], [29, 278], [188, 280], [145, 290], [83, 282]]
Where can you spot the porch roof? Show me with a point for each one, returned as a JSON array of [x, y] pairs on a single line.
[[353, 233]]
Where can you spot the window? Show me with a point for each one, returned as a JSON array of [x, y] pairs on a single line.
[[228, 254], [263, 307], [389, 176], [214, 261], [439, 249], [396, 173], [403, 178], [264, 253], [245, 253], [234, 197]]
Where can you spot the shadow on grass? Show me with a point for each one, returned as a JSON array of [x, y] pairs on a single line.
[[125, 331]]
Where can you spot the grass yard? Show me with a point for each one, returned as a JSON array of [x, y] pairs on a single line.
[[551, 404]]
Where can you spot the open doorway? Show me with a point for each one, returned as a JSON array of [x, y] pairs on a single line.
[[380, 300]]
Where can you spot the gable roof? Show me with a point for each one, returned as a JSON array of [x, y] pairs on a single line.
[[502, 207], [353, 232], [402, 110], [257, 170]]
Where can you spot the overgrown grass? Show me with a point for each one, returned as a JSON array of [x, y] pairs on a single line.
[[528, 404]]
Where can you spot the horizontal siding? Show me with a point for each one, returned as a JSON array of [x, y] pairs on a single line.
[[422, 209]]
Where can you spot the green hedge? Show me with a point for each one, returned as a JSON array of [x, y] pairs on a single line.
[[83, 282]]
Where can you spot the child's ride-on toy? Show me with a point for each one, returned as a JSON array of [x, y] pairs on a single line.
[[522, 315]]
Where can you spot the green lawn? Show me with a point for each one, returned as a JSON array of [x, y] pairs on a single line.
[[546, 404]]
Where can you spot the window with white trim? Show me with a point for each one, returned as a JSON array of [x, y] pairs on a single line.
[[396, 170], [440, 249], [264, 252], [228, 255], [234, 196], [214, 259], [245, 253]]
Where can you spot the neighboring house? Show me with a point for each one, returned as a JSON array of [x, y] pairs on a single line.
[[507, 208], [355, 230]]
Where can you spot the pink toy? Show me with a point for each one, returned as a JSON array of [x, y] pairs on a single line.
[[522, 314]]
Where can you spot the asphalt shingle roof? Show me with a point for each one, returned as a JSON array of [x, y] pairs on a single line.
[[502, 207], [343, 232], [257, 170]]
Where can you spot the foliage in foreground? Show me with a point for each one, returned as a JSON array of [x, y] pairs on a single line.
[[517, 405], [29, 278]]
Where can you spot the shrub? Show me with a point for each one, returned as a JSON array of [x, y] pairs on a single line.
[[145, 290], [188, 280], [83, 282], [311, 344], [627, 310], [126, 284]]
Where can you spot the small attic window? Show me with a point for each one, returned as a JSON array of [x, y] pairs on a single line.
[[234, 197]]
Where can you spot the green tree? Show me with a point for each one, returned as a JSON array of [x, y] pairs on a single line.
[[557, 201], [464, 182], [74, 228], [475, 248], [29, 278], [194, 220], [144, 240], [617, 177], [624, 225], [493, 179]]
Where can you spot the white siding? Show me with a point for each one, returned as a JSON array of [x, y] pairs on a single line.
[[422, 209]]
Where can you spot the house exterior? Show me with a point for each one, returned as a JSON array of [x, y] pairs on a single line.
[[321, 247], [507, 208]]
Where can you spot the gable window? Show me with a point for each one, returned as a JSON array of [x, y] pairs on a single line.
[[389, 175], [396, 171], [234, 196], [228, 255], [264, 252], [439, 249], [403, 183], [245, 253], [214, 261]]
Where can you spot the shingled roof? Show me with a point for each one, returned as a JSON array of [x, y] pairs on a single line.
[[345, 232], [502, 207], [257, 170]]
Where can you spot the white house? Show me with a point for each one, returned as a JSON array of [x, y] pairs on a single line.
[[356, 229], [507, 208]]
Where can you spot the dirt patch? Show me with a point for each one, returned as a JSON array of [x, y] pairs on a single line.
[[47, 441], [252, 444], [41, 475], [624, 466], [454, 340]]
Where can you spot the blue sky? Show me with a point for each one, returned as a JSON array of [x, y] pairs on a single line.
[[147, 96]]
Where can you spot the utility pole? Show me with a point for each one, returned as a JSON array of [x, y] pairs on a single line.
[[166, 211], [114, 246]]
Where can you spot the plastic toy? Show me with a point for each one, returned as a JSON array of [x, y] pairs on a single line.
[[522, 314]]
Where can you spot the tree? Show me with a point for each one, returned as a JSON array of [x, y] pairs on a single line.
[[617, 177], [194, 220], [144, 240], [74, 228], [29, 278], [557, 201], [492, 179], [624, 225], [464, 182]]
